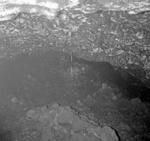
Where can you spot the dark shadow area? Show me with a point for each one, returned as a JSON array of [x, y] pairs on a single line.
[[6, 136], [130, 85], [5, 133]]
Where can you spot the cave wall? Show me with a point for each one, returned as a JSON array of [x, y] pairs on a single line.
[[117, 32]]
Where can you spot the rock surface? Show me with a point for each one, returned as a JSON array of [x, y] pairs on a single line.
[[63, 124], [113, 31]]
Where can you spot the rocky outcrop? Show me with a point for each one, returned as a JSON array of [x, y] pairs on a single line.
[[64, 124]]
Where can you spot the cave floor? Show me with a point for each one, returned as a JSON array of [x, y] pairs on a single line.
[[39, 79]]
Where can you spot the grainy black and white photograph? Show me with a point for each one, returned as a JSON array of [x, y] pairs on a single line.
[[74, 70]]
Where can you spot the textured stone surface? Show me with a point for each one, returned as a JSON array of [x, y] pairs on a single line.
[[113, 31], [62, 123]]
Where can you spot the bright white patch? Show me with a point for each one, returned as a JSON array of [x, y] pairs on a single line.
[[4, 11], [33, 10], [49, 14], [50, 5], [7, 14], [47, 7], [32, 2], [73, 3]]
